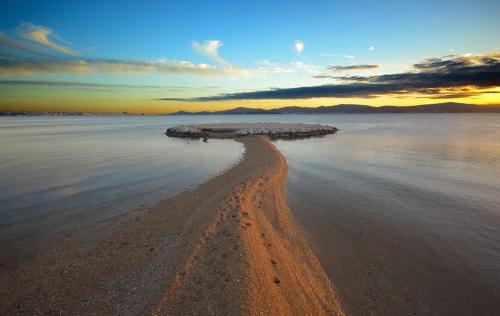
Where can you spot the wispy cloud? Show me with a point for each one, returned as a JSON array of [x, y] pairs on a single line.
[[30, 53], [322, 76], [33, 39], [296, 67], [27, 66], [14, 44], [210, 49], [371, 48], [298, 47], [44, 36], [266, 66], [91, 85], [340, 56], [434, 78], [353, 67]]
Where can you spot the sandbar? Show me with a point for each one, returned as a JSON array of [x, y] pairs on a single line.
[[227, 247]]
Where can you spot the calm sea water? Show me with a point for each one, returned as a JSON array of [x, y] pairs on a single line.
[[62, 175], [403, 210]]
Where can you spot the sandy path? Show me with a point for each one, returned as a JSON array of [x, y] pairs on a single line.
[[228, 247]]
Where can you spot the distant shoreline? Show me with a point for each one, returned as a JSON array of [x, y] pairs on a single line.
[[449, 107]]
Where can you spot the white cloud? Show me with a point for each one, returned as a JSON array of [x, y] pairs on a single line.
[[44, 36], [371, 48], [211, 50], [299, 47]]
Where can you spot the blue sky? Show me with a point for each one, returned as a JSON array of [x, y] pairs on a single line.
[[257, 30], [253, 34]]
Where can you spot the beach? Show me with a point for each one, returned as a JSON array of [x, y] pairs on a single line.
[[230, 246], [250, 158]]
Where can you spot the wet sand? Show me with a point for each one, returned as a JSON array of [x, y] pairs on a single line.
[[230, 246]]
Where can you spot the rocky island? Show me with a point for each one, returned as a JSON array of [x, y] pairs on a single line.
[[231, 130]]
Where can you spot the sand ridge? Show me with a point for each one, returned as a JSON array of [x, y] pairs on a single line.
[[228, 247], [277, 250], [253, 260]]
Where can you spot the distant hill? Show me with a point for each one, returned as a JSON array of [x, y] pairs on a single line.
[[449, 107], [240, 110]]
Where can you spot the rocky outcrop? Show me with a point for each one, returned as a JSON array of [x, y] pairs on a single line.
[[273, 130]]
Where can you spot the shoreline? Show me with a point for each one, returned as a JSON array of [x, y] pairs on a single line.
[[229, 246]]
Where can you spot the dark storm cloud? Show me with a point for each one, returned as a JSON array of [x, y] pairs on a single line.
[[447, 77]]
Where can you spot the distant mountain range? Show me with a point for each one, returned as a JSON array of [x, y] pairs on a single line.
[[450, 107]]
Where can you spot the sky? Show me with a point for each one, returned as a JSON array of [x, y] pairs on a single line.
[[165, 56]]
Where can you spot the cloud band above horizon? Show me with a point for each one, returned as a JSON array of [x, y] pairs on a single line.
[[28, 66], [451, 77]]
